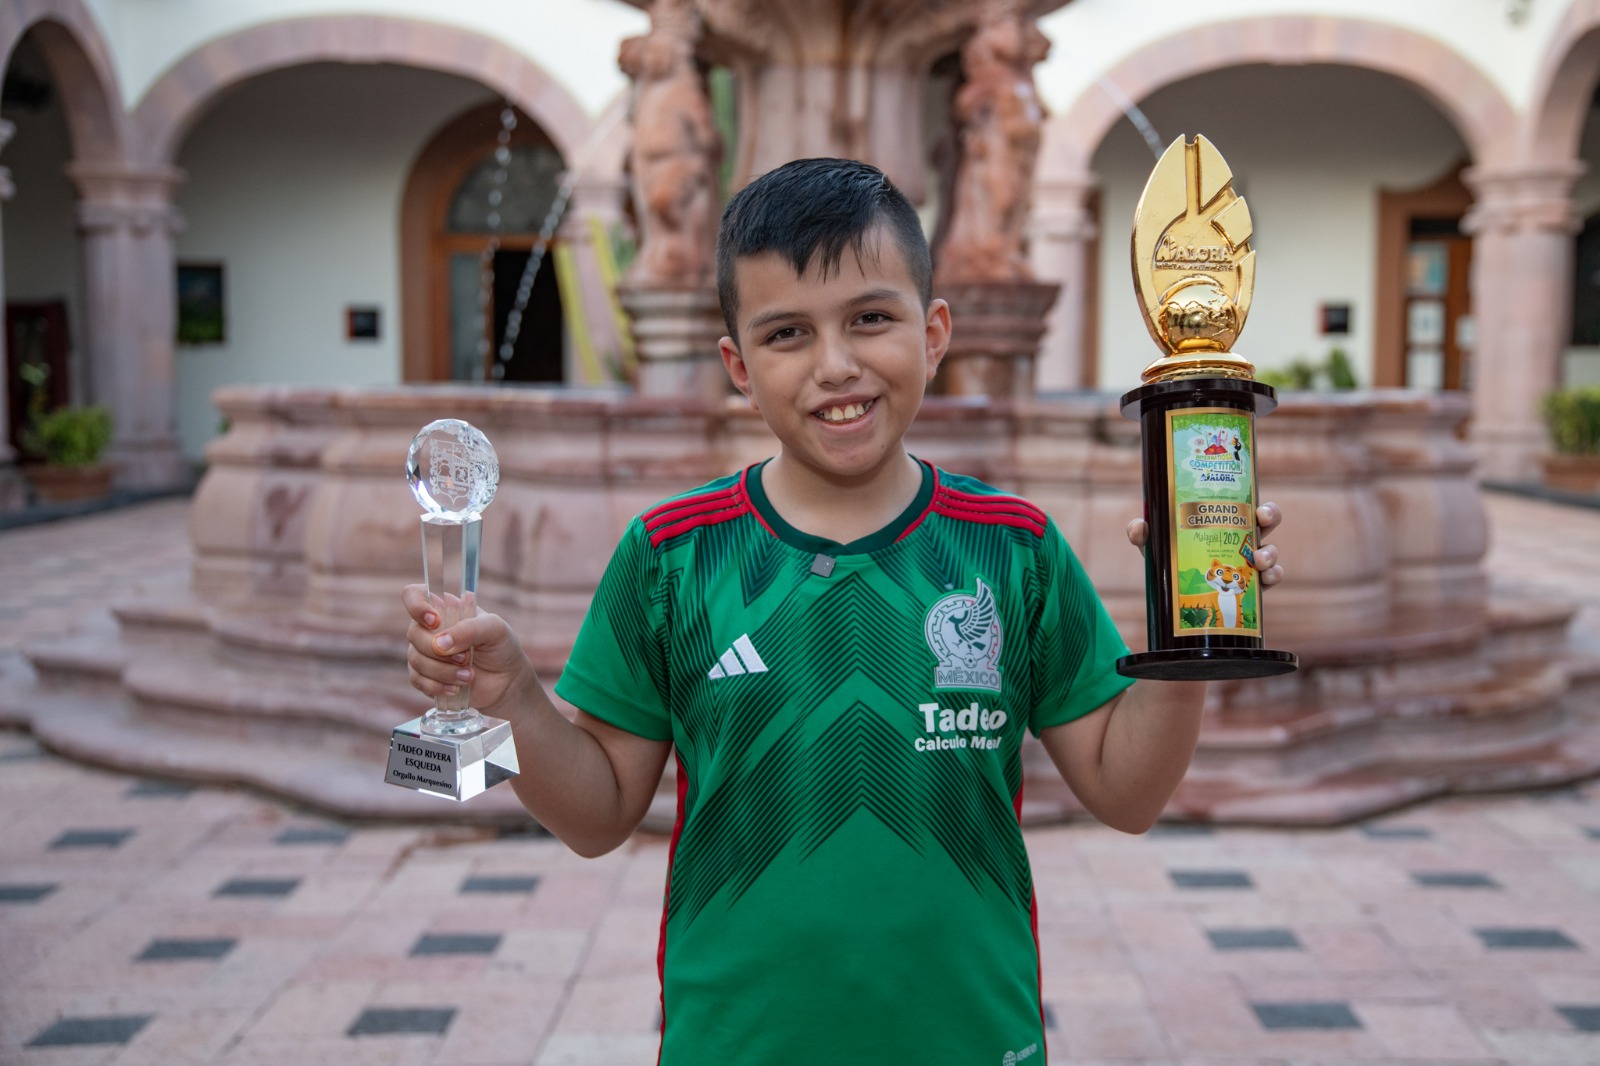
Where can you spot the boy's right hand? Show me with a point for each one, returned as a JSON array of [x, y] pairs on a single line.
[[479, 650]]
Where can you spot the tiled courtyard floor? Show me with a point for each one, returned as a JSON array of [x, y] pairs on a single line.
[[141, 923]]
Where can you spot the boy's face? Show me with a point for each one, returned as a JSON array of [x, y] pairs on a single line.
[[836, 365]]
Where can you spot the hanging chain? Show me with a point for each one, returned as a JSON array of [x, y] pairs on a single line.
[[547, 231], [491, 247]]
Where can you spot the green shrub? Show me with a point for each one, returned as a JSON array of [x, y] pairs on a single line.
[[70, 436], [1573, 417], [1341, 375], [1336, 374]]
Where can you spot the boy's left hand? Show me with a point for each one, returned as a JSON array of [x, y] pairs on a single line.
[[1266, 557]]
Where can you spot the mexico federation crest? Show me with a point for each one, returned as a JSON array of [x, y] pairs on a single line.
[[963, 629]]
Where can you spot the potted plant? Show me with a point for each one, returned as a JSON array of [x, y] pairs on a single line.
[[1572, 415]]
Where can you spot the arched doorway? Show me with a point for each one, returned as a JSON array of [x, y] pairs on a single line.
[[463, 296], [60, 127], [44, 293]]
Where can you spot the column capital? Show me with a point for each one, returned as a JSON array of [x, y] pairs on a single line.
[[116, 196], [1523, 199]]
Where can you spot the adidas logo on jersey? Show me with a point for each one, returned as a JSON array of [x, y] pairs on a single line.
[[739, 659]]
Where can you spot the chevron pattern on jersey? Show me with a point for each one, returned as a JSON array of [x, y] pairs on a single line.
[[852, 768], [793, 777]]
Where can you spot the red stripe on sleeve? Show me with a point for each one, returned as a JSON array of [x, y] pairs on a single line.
[[690, 504], [993, 517]]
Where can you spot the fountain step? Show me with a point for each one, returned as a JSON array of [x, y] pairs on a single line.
[[298, 767]]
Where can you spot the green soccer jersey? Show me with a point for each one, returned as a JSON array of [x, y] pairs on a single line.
[[847, 881]]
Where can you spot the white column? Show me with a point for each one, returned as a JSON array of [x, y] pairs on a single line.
[[127, 223], [1522, 225], [13, 495], [1059, 251], [594, 200]]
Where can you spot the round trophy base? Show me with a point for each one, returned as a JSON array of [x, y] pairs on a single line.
[[1206, 664]]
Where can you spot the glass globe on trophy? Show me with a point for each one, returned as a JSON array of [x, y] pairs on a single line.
[[452, 750]]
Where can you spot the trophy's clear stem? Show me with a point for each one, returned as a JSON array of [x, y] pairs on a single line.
[[450, 551]]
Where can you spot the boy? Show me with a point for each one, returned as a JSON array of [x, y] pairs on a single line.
[[844, 646]]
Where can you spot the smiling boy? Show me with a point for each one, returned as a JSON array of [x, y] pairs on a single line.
[[845, 647]]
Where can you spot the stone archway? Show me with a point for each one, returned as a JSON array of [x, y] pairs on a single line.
[[171, 106], [1504, 415], [1469, 99], [68, 38], [1565, 87]]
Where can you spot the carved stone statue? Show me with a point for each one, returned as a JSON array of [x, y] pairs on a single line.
[[999, 117], [676, 150]]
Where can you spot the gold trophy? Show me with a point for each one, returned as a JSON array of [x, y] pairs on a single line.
[[1194, 272]]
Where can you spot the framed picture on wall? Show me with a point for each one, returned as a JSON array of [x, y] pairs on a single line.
[[200, 304]]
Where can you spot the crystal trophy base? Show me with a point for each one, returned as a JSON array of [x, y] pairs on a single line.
[[455, 767]]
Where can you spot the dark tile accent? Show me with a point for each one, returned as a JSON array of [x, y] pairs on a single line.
[[25, 893], [1181, 829], [313, 834], [1396, 832], [91, 838], [1306, 1016], [1211, 879], [165, 950], [1254, 940], [1049, 1018], [374, 1021], [1449, 879], [457, 944], [1593, 832], [1539, 939], [1585, 1019], [109, 1029], [151, 789], [255, 886], [500, 884]]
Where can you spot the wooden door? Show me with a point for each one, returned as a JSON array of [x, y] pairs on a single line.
[[36, 334]]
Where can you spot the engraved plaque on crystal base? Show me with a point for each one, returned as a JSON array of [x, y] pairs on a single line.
[[452, 751]]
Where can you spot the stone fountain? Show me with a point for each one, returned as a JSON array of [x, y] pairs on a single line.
[[279, 665]]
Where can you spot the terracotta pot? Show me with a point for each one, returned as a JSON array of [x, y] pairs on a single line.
[[62, 484], [1571, 473]]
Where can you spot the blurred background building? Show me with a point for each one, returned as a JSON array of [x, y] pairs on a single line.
[[205, 192]]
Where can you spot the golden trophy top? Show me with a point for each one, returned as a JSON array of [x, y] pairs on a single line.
[[1193, 267]]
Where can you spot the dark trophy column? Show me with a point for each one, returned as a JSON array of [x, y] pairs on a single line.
[[1195, 271]]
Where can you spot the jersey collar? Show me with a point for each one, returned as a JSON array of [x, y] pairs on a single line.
[[902, 524]]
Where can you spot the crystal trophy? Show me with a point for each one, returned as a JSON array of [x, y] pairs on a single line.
[[1194, 271], [452, 751]]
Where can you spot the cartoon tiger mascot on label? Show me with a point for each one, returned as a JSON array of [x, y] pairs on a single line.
[[1228, 584]]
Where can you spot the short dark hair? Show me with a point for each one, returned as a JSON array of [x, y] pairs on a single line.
[[816, 207]]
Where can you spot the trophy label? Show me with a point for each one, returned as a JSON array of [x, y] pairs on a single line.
[[416, 762], [1212, 492]]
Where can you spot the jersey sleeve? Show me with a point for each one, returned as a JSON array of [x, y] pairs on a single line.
[[618, 667], [1075, 644]]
